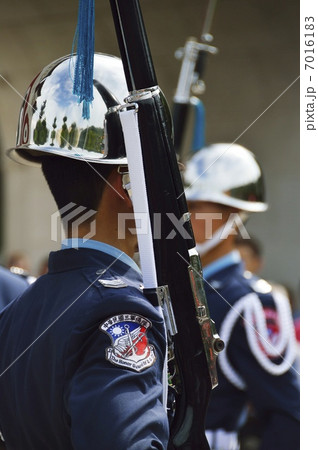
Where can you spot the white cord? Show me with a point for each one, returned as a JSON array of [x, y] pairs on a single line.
[[226, 331], [251, 309]]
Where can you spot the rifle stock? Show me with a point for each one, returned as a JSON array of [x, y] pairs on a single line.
[[193, 341]]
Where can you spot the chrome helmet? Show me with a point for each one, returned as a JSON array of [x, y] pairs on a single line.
[[227, 174], [51, 122]]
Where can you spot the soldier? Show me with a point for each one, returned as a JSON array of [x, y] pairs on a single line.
[[82, 350], [225, 183], [10, 286], [18, 263]]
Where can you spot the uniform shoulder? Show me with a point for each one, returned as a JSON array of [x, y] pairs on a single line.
[[112, 292], [11, 286], [258, 285], [236, 283], [236, 279], [10, 279]]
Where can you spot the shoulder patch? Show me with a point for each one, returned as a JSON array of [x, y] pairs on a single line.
[[273, 330], [113, 283], [130, 347]]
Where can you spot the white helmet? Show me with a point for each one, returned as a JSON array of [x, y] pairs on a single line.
[[227, 174], [51, 122]]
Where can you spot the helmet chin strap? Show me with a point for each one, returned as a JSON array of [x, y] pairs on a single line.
[[220, 235], [123, 171]]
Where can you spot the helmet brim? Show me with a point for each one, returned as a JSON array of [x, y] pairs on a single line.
[[31, 157], [223, 199]]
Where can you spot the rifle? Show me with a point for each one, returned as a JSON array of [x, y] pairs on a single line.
[[190, 82], [170, 264]]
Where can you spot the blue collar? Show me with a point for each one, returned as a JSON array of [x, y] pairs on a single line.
[[221, 263], [102, 247]]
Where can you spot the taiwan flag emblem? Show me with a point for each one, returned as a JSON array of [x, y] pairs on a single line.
[[130, 347]]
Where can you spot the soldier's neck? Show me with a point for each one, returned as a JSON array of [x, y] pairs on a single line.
[[224, 247], [109, 235]]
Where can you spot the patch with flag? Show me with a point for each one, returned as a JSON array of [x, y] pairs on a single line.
[[273, 332], [130, 347]]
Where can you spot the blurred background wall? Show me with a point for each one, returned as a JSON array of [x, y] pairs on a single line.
[[258, 60]]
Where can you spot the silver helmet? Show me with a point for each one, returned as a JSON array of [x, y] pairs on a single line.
[[227, 174], [51, 122]]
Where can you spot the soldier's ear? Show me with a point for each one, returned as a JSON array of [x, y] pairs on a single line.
[[117, 184]]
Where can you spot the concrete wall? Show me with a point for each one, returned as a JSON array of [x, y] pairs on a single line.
[[257, 62]]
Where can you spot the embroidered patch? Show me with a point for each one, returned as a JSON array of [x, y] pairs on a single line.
[[273, 330], [272, 323], [130, 347]]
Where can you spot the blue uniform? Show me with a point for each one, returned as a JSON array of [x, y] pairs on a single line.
[[82, 358], [10, 286], [248, 368]]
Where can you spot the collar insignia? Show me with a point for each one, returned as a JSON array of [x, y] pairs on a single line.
[[113, 283]]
